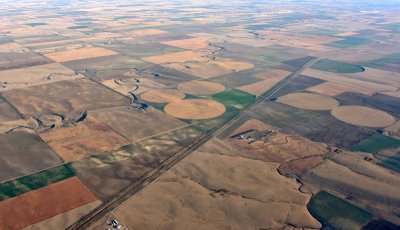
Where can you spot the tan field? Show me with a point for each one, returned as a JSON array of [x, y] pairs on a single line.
[[36, 75], [345, 34], [86, 138], [310, 101], [394, 129], [201, 87], [332, 89], [363, 116], [279, 147], [79, 54], [273, 73], [195, 109], [163, 96], [260, 87], [28, 125], [378, 76], [179, 57], [214, 191], [64, 220], [210, 68], [125, 86], [148, 32], [393, 94], [351, 81], [190, 44], [13, 47]]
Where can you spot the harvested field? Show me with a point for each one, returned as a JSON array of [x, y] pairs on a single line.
[[299, 84], [14, 60], [201, 88], [273, 73], [136, 125], [258, 88], [36, 75], [345, 34], [127, 85], [394, 130], [82, 95], [195, 109], [84, 139], [190, 43], [147, 32], [24, 153], [363, 116], [163, 96], [44, 203], [298, 167], [203, 192], [12, 47], [326, 129], [209, 69], [238, 79], [350, 81], [179, 57], [64, 220], [332, 89], [309, 101], [79, 54]]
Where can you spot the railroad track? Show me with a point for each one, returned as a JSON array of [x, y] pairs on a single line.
[[109, 205]]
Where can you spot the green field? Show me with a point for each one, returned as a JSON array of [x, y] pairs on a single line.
[[347, 42], [336, 213], [376, 143], [392, 163], [337, 67], [235, 98], [34, 181], [390, 59]]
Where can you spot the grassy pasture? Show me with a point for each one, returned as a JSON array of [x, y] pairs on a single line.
[[376, 143], [337, 67]]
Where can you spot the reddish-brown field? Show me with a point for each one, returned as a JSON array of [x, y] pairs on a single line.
[[32, 207]]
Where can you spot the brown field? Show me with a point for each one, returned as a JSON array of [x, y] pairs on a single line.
[[254, 124], [163, 96], [260, 87], [363, 116], [179, 57], [64, 220], [82, 95], [78, 54], [345, 34], [378, 76], [190, 44], [136, 125], [332, 89], [36, 75], [272, 73], [213, 191], [201, 87], [24, 152], [376, 187], [86, 138], [27, 125], [41, 204], [298, 167], [351, 81], [393, 94], [195, 109], [310, 101]]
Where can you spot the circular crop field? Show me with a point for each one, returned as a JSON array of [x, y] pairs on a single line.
[[195, 109], [163, 96], [201, 87], [363, 116], [310, 101]]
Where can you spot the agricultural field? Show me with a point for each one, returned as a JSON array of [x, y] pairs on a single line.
[[200, 114]]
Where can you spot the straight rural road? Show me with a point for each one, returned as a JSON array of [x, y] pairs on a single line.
[[109, 205]]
